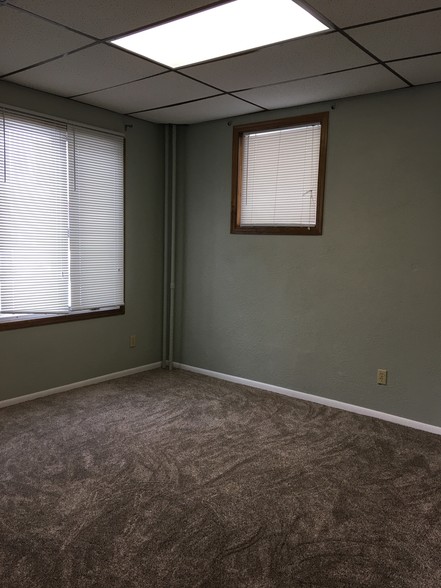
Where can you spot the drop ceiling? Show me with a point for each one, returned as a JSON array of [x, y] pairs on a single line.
[[63, 47]]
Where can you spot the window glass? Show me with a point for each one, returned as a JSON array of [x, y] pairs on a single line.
[[61, 218], [278, 177]]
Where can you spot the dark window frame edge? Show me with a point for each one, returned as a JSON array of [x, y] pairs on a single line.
[[31, 320]]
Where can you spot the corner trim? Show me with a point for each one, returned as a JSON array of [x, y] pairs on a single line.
[[316, 399], [81, 384]]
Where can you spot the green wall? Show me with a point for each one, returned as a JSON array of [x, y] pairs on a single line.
[[40, 358], [314, 314], [320, 314]]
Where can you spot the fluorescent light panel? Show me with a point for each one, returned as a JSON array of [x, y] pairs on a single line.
[[224, 30]]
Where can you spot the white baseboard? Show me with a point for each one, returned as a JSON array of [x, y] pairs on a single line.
[[260, 385], [317, 399], [81, 384]]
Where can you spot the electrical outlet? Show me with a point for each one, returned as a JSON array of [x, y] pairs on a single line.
[[382, 377], [132, 341]]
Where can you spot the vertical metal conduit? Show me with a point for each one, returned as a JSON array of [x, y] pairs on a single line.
[[166, 239], [172, 249]]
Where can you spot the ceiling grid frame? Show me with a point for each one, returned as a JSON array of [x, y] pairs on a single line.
[[65, 50]]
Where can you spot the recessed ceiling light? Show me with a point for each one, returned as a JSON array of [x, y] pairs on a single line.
[[226, 29]]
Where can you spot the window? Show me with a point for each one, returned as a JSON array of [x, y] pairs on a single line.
[[61, 221], [278, 176]]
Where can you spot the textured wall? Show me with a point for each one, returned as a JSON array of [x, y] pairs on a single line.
[[321, 314], [39, 358]]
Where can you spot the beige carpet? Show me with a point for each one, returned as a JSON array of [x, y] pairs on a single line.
[[178, 480]]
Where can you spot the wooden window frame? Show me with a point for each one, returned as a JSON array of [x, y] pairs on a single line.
[[14, 321], [35, 320], [238, 132]]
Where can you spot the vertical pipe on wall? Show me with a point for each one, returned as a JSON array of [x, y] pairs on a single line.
[[166, 251], [172, 248]]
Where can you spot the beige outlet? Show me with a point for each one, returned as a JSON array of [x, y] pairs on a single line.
[[382, 377]]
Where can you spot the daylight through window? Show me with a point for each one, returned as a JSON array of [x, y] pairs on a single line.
[[61, 219], [278, 176]]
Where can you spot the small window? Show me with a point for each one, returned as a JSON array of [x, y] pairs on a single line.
[[278, 176], [61, 221]]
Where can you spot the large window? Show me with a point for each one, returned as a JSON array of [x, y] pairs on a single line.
[[278, 176], [61, 221]]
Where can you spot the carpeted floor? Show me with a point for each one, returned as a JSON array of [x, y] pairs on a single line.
[[169, 480]]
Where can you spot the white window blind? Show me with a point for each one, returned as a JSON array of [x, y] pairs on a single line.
[[96, 219], [61, 217], [280, 176]]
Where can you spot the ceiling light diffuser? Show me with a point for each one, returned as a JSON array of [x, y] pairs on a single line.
[[224, 30]]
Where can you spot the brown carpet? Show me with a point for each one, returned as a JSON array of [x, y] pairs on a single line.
[[178, 480]]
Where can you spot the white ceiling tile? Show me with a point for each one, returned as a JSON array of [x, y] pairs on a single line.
[[420, 70], [404, 37], [200, 111], [346, 13], [26, 40], [93, 68], [58, 60], [288, 61], [365, 80], [106, 18], [161, 90]]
